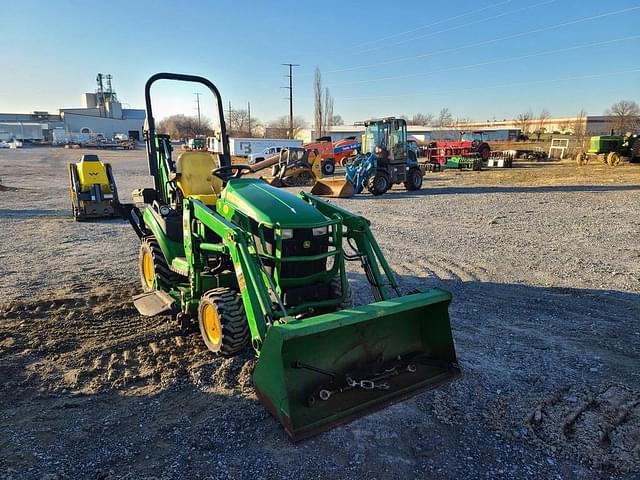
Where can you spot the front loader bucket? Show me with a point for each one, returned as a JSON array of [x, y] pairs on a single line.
[[317, 372], [338, 188], [273, 181]]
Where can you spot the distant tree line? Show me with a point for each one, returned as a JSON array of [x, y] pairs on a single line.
[[184, 126], [625, 113]]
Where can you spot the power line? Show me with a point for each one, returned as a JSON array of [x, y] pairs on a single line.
[[489, 62], [486, 42], [462, 25], [444, 20], [290, 88], [533, 82]]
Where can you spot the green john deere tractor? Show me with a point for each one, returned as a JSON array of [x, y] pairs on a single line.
[[257, 265], [611, 149]]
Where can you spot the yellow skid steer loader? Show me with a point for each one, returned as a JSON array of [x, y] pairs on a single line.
[[93, 189]]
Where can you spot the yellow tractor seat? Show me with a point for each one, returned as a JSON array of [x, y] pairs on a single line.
[[194, 176]]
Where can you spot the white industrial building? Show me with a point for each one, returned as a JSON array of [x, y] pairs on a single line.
[[101, 113]]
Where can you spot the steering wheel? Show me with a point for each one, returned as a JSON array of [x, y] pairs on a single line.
[[238, 169]]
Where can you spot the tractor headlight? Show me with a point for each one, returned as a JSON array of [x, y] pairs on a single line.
[[286, 233], [319, 231], [377, 150]]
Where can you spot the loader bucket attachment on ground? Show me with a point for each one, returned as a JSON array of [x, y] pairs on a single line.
[[317, 372], [338, 188]]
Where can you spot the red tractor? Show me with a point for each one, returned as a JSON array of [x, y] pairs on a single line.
[[438, 152]]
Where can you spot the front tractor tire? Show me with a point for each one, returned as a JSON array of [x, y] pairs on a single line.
[[414, 180], [582, 158], [378, 183], [222, 320], [152, 264], [336, 291]]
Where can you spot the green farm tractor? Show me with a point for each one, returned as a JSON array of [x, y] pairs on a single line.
[[258, 266], [611, 149]]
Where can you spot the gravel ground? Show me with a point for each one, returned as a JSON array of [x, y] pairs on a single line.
[[544, 264]]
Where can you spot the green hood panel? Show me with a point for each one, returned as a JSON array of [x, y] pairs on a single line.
[[270, 205]]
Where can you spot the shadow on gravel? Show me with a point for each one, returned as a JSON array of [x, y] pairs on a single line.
[[57, 214], [427, 190], [553, 368], [550, 386], [34, 213]]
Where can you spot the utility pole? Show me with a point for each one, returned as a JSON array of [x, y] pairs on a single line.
[[290, 87], [249, 119], [198, 102], [229, 114]]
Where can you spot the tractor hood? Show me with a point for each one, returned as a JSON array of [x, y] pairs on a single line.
[[270, 205]]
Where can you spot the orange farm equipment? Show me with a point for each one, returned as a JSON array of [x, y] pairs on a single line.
[[339, 151]]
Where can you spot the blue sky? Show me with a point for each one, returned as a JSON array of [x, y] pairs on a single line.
[[481, 59]]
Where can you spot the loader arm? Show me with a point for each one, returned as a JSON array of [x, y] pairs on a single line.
[[235, 243], [380, 276]]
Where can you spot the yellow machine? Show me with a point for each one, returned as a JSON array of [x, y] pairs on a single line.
[[93, 189]]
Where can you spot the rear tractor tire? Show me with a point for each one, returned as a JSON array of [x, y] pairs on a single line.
[[414, 180], [485, 151], [223, 322], [378, 184], [613, 159], [152, 264]]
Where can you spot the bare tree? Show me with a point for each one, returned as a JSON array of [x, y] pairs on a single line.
[[337, 120], [183, 126], [279, 128], [540, 122], [327, 114], [524, 120], [318, 116], [626, 115], [323, 118], [580, 129], [239, 124], [579, 124], [445, 123], [421, 119], [445, 118], [565, 125]]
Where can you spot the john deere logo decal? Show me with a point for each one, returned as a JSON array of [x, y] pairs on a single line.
[[306, 244]]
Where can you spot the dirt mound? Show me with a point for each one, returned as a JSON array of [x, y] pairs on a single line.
[[99, 342]]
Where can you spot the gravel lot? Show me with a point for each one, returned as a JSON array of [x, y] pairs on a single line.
[[544, 264]]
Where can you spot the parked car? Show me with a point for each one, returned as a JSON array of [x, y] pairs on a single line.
[[266, 153]]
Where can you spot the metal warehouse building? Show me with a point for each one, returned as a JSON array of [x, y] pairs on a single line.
[[101, 113]]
